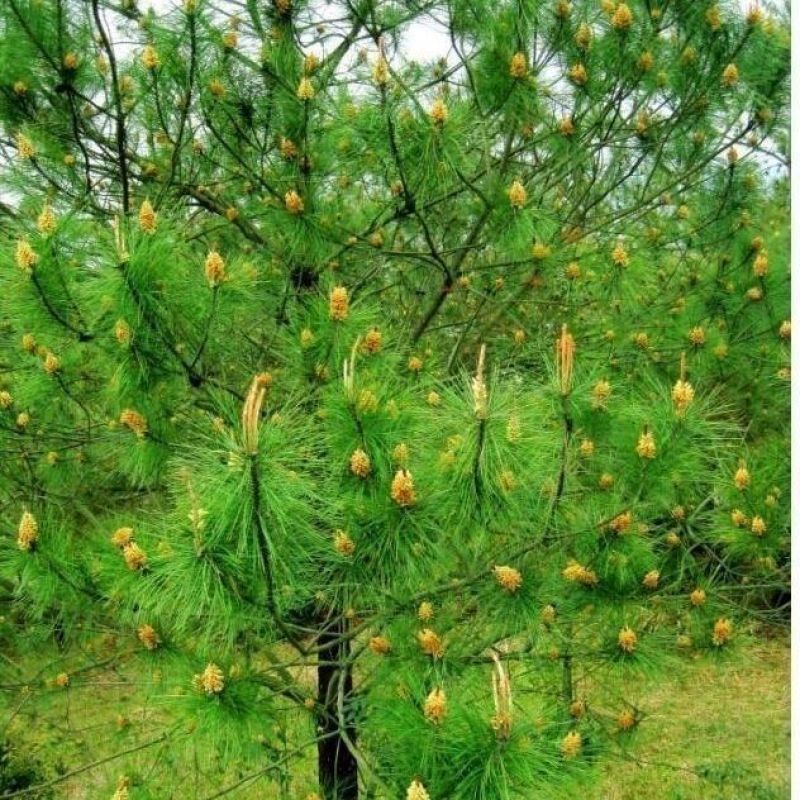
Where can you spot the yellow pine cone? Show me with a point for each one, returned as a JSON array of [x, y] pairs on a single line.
[[549, 614], [27, 532], [435, 708], [578, 74], [682, 395], [577, 573], [583, 36], [122, 332], [577, 708], [626, 720], [122, 537], [287, 148], [343, 544], [566, 126], [672, 539], [601, 393], [619, 255], [416, 791], [214, 268], [51, 363], [147, 217], [508, 481], [646, 446], [439, 112], [25, 147], [373, 341], [723, 630], [697, 336], [148, 637], [517, 194], [431, 643], [508, 578], [380, 645], [626, 640], [401, 454], [755, 15], [134, 421], [513, 429], [46, 221], [563, 9], [425, 612], [293, 202], [403, 492], [741, 478], [697, 598], [305, 90], [360, 464], [211, 680], [714, 18], [433, 399], [149, 57], [135, 557], [739, 518], [621, 523], [339, 304], [622, 18], [730, 75], [367, 401], [380, 72], [121, 792], [651, 579], [518, 68], [571, 744], [26, 256], [501, 725]]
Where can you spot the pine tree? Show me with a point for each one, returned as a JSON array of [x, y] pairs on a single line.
[[370, 410]]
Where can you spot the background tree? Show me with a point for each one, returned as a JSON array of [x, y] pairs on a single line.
[[395, 402]]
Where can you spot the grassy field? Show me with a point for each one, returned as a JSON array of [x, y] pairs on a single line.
[[721, 732], [716, 730]]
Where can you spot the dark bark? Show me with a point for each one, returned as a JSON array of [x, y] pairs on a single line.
[[338, 768]]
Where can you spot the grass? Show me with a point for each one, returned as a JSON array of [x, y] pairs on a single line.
[[714, 730], [718, 731]]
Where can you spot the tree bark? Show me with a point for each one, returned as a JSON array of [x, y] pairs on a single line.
[[337, 767]]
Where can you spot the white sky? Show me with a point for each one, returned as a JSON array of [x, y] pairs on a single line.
[[422, 41]]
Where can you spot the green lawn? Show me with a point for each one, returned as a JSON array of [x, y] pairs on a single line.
[[728, 721]]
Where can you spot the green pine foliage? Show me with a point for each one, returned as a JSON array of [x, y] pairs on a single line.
[[363, 409]]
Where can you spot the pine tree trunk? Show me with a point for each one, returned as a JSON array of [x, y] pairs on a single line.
[[338, 769]]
